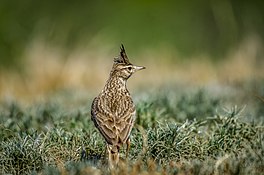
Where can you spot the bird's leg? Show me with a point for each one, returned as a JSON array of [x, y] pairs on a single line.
[[110, 161], [128, 147], [113, 155]]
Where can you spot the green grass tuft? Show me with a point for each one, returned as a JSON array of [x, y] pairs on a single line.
[[174, 134]]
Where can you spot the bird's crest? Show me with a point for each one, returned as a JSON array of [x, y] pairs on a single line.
[[122, 58]]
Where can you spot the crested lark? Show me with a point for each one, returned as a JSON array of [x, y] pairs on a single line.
[[113, 111]]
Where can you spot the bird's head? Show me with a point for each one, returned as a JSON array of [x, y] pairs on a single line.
[[122, 68]]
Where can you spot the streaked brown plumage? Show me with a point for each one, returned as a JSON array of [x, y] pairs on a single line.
[[113, 111]]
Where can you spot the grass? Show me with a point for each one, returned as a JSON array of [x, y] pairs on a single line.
[[176, 132]]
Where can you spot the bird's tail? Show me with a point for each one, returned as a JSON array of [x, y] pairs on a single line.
[[113, 153]]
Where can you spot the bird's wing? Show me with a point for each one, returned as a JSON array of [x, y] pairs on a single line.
[[125, 124], [102, 122], [115, 128]]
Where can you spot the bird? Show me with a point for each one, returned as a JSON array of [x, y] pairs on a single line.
[[113, 111]]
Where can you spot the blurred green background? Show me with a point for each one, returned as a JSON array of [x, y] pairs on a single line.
[[47, 46], [211, 27]]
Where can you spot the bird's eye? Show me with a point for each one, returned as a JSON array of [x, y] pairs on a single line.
[[129, 68]]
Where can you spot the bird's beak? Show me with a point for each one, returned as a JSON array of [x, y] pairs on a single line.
[[137, 68]]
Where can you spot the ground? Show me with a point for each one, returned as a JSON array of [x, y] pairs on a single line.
[[190, 131]]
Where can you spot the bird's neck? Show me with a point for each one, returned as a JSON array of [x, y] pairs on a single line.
[[116, 84]]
